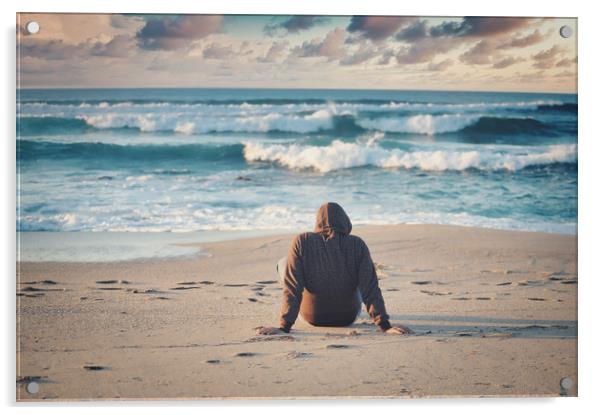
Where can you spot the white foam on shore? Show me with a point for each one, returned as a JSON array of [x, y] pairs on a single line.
[[224, 222], [340, 155]]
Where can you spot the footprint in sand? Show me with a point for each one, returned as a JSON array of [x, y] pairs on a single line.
[[431, 293], [46, 282], [298, 355], [530, 283], [337, 346], [461, 298], [205, 282], [30, 295], [422, 282], [267, 282], [213, 361], [348, 334], [113, 282], [573, 281], [245, 354], [94, 368], [270, 338], [536, 299], [149, 291], [251, 299], [504, 283], [109, 288], [236, 285], [483, 298], [184, 288], [33, 289], [188, 283], [392, 289]]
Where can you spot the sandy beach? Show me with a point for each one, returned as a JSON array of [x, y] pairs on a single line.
[[494, 313]]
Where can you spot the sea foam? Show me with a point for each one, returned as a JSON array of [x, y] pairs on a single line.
[[341, 155], [420, 124]]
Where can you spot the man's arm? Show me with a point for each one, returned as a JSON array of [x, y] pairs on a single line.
[[370, 291], [294, 284]]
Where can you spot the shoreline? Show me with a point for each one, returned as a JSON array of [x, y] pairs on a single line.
[[187, 240], [494, 313]]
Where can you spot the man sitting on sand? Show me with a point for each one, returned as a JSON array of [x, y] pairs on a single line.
[[327, 275]]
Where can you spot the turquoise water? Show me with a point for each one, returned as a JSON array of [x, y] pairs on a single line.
[[257, 159]]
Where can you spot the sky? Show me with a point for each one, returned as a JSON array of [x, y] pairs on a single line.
[[301, 51]]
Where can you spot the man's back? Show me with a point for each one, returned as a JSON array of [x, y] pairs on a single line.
[[325, 269]]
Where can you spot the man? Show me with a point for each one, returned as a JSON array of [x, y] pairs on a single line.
[[327, 274]]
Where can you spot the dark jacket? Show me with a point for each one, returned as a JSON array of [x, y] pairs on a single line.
[[324, 270]]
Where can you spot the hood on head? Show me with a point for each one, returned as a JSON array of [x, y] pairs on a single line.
[[332, 218]]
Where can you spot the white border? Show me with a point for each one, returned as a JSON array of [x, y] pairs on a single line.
[[590, 208]]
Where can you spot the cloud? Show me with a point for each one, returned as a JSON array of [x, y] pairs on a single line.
[[547, 58], [121, 46], [377, 27], [566, 74], [506, 62], [386, 56], [126, 21], [440, 66], [159, 64], [275, 52], [74, 28], [217, 51], [52, 49], [424, 50], [364, 53], [522, 42], [424, 43], [295, 24], [171, 33], [330, 47], [479, 54], [480, 26], [415, 31], [563, 63]]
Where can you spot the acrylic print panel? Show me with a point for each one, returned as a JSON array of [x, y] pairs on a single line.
[[166, 164]]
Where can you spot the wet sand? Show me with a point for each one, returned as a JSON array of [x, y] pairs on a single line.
[[494, 313]]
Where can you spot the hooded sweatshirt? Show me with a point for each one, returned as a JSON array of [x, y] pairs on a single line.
[[325, 268]]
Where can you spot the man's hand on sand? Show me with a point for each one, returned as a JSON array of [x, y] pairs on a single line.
[[268, 331], [399, 330]]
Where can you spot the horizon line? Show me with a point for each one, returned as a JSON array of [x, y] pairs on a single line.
[[296, 88]]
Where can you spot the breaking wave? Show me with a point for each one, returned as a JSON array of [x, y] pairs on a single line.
[[340, 155], [324, 120]]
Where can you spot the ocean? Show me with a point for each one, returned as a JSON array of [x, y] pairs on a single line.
[[265, 159]]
